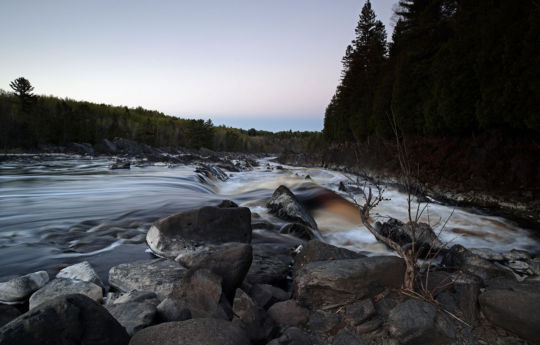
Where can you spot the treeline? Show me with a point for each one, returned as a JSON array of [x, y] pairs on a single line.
[[30, 121], [451, 68]]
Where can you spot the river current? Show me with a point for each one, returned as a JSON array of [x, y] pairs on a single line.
[[60, 209]]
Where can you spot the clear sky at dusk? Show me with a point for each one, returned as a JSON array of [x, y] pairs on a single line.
[[265, 64]]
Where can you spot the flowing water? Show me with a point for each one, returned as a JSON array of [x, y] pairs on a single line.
[[58, 209]]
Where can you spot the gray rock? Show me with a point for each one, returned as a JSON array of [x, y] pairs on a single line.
[[340, 282], [487, 253], [227, 204], [301, 231], [18, 289], [284, 204], [414, 322], [520, 267], [402, 234], [265, 295], [173, 235], [358, 312], [127, 146], [316, 250], [534, 265], [199, 295], [192, 332], [457, 293], [458, 257], [209, 174], [65, 320], [516, 255], [81, 271], [155, 275], [133, 316], [137, 296], [267, 268], [323, 322], [514, 308], [60, 286], [84, 148], [289, 313], [8, 313], [252, 318], [294, 336], [105, 146], [345, 337]]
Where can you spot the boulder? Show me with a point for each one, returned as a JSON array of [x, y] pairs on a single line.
[[137, 296], [289, 313], [155, 275], [346, 337], [65, 320], [83, 149], [458, 257], [341, 282], [185, 231], [285, 205], [209, 174], [402, 234], [227, 204], [251, 318], [301, 231], [8, 313], [105, 146], [60, 286], [18, 289], [514, 308], [81, 271], [266, 268], [198, 295], [358, 312], [535, 266], [265, 295], [293, 335], [133, 316], [316, 250], [516, 255], [192, 332], [487, 253], [127, 146]]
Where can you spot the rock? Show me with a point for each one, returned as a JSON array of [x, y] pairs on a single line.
[[368, 326], [251, 318], [227, 204], [66, 320], [358, 312], [293, 336], [127, 146], [133, 316], [516, 255], [231, 263], [414, 322], [289, 313], [137, 296], [84, 148], [345, 337], [402, 234], [535, 266], [458, 257], [341, 282], [324, 322], [342, 187], [198, 295], [192, 332], [266, 268], [265, 295], [514, 308], [18, 289], [60, 286], [155, 275], [284, 204], [316, 250], [81, 271], [300, 230], [120, 164], [173, 235], [209, 174], [520, 267], [8, 313], [487, 253], [105, 146]]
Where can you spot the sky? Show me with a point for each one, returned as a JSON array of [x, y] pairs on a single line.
[[262, 64]]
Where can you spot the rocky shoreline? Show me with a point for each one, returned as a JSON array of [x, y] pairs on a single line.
[[216, 281]]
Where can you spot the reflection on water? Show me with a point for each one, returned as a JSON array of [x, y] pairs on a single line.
[[62, 209]]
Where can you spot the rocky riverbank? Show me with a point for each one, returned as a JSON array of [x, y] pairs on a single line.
[[216, 280]]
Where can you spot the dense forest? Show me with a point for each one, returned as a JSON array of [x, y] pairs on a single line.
[[30, 122], [452, 68]]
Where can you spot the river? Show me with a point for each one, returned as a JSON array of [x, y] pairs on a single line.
[[61, 209]]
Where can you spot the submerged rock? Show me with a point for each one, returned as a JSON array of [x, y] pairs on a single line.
[[60, 286], [18, 289], [285, 205], [185, 231], [66, 320], [192, 332], [81, 271]]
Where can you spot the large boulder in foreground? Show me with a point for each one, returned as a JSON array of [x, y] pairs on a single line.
[[188, 230], [65, 320], [192, 332], [459, 257], [340, 282], [514, 308], [19, 288], [285, 205], [133, 316], [155, 275], [61, 286]]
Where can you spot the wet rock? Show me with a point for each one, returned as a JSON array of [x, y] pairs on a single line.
[[340, 282], [458, 257], [60, 286], [316, 250], [514, 308], [535, 266], [18, 289], [516, 255], [8, 313], [208, 173], [520, 267], [184, 231], [402, 234], [414, 322], [133, 316], [66, 320], [266, 268], [342, 187], [137, 296], [289, 313], [81, 271], [198, 295], [120, 164], [155, 275], [293, 335], [285, 205], [265, 295], [227, 204], [251, 318], [488, 254], [192, 332]]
